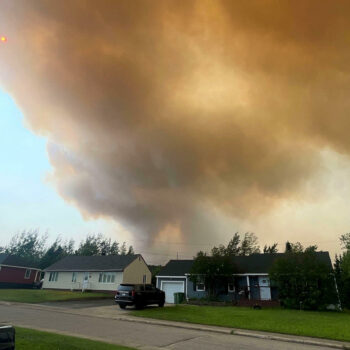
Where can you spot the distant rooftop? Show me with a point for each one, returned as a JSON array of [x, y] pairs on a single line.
[[93, 263], [255, 263], [13, 260]]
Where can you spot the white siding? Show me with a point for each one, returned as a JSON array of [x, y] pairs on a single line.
[[64, 281]]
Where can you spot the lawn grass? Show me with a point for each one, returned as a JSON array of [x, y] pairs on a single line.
[[330, 325], [29, 339], [40, 295]]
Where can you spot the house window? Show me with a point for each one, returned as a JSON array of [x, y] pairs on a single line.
[[231, 287], [53, 277], [200, 285], [106, 277], [74, 277], [144, 279], [27, 274]]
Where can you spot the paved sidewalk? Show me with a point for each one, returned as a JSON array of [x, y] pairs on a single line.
[[112, 312]]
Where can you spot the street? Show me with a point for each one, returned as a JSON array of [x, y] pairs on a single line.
[[134, 334]]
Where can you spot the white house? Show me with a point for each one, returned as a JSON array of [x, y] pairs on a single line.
[[96, 273]]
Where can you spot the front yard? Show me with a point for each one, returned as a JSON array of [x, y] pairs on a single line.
[[40, 296], [29, 339], [330, 325]]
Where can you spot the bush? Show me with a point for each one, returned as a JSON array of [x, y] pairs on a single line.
[[304, 282]]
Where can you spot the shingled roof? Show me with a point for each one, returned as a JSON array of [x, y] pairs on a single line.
[[16, 261], [176, 268], [262, 263], [255, 263], [93, 263]]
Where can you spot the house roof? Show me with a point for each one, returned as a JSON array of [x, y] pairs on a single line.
[[255, 263], [93, 263], [262, 263], [13, 260], [176, 268]]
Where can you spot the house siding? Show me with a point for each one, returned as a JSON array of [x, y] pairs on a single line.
[[15, 277], [64, 281], [192, 293], [135, 271]]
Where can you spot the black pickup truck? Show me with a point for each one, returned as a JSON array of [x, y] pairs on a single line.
[[139, 295], [7, 337]]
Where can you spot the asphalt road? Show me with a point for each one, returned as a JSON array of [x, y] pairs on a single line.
[[139, 335]]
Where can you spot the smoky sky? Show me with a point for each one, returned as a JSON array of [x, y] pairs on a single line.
[[157, 112]]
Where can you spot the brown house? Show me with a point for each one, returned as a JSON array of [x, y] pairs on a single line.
[[16, 272]]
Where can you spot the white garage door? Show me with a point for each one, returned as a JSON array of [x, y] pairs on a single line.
[[170, 288]]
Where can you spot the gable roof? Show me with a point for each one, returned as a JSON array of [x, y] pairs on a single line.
[[262, 263], [93, 263], [16, 261], [176, 268], [255, 263]]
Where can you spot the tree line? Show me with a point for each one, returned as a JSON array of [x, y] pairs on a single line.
[[32, 246], [303, 280]]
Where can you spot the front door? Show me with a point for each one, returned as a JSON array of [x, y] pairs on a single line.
[[86, 280], [264, 286]]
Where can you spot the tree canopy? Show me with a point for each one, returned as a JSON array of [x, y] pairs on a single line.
[[303, 281], [32, 246], [246, 245], [211, 270]]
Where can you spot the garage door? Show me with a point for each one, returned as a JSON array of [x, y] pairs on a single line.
[[170, 288]]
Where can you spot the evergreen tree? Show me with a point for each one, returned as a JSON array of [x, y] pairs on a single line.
[[29, 245]]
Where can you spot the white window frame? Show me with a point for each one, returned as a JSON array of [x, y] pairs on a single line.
[[74, 277], [144, 279], [229, 289], [26, 275], [202, 281], [107, 277], [53, 277]]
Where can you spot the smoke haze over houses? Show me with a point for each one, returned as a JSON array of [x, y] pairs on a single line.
[[186, 121]]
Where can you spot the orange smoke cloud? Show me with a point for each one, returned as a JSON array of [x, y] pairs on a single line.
[[155, 110]]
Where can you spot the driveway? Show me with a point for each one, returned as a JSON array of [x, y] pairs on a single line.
[[134, 334]]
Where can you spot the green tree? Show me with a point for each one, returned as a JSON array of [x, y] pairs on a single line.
[[130, 250], [233, 247], [89, 246], [123, 249], [238, 246], [270, 249], [212, 270], [29, 245], [342, 271], [303, 281], [249, 244], [345, 241], [98, 245], [56, 251]]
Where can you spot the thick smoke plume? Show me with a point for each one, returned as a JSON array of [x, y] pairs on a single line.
[[159, 113]]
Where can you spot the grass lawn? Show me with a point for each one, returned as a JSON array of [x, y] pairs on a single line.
[[29, 339], [41, 296], [330, 325]]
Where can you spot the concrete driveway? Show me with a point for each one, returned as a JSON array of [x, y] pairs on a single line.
[[100, 308]]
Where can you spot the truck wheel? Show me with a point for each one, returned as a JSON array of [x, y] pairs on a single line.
[[161, 304], [122, 306]]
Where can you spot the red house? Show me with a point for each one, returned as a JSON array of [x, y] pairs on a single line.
[[16, 272]]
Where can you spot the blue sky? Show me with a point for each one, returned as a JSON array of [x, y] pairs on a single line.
[[27, 201]]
